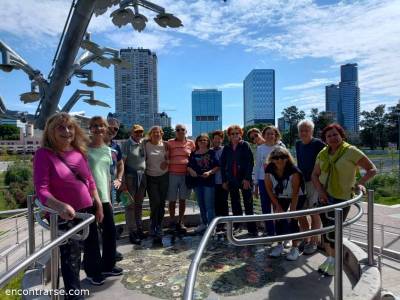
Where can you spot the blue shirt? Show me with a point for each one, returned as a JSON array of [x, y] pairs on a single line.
[[306, 155]]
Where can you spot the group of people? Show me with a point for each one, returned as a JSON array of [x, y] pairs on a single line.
[[73, 173]]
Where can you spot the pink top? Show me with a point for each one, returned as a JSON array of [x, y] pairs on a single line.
[[53, 178], [179, 152]]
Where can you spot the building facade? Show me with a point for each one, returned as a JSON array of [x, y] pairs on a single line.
[[259, 97], [283, 125], [349, 98], [332, 100], [343, 99], [206, 111], [136, 90]]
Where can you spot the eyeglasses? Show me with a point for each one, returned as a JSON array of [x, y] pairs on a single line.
[[98, 126], [138, 132], [63, 128], [279, 157], [113, 128], [203, 140], [180, 129]]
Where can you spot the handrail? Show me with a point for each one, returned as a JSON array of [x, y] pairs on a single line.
[[229, 220], [53, 244]]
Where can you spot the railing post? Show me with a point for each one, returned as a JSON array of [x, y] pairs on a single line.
[[338, 254], [370, 224], [31, 225], [54, 255], [16, 229]]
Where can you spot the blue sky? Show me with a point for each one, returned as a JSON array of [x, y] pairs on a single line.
[[305, 42]]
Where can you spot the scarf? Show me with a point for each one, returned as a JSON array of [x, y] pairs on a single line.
[[328, 166]]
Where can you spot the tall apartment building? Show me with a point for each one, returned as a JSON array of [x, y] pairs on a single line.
[[206, 111], [343, 100], [136, 91], [259, 97]]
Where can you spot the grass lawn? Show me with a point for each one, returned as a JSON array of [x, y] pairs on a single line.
[[393, 200], [13, 284]]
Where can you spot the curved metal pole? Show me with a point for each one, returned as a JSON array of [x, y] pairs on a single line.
[[76, 30], [338, 293]]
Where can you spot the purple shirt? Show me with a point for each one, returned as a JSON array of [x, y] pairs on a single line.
[[53, 178]]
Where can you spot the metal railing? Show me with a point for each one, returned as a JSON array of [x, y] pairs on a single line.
[[53, 247], [338, 228]]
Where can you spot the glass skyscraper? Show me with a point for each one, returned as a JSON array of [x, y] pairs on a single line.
[[332, 100], [259, 97], [343, 100], [349, 98], [206, 111]]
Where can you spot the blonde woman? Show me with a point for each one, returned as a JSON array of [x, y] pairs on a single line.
[[63, 182], [156, 151], [100, 161], [272, 139]]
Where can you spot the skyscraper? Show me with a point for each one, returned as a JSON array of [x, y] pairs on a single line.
[[259, 97], [349, 98], [136, 92], [332, 100], [343, 100], [206, 111]]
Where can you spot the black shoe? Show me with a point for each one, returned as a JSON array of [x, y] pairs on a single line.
[[116, 271], [96, 280], [157, 240], [140, 234], [118, 256], [181, 229], [134, 239]]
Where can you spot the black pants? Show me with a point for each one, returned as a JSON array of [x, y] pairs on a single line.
[[221, 203], [157, 187], [330, 236], [71, 256], [248, 204], [286, 226], [109, 239]]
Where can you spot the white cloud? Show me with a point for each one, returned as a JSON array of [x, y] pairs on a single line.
[[311, 84], [230, 85]]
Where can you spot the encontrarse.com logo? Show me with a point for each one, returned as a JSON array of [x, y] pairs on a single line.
[[50, 292]]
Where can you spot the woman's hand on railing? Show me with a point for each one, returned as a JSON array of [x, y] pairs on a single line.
[[361, 188], [323, 197], [67, 212]]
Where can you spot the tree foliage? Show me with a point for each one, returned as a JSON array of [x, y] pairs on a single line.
[[169, 133], [9, 132], [374, 123], [123, 133], [292, 115], [321, 119]]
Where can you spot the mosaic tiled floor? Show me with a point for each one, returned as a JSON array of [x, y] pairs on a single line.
[[226, 270]]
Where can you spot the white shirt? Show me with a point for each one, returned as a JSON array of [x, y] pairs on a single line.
[[261, 159]]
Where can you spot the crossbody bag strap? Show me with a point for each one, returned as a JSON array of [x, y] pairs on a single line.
[[77, 175]]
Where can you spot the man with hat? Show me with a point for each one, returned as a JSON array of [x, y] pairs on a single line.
[[134, 165]]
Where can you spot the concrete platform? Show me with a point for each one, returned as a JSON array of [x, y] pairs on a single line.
[[226, 272]]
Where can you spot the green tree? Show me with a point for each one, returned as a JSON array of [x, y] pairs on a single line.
[[321, 119], [393, 124], [169, 133], [9, 132], [18, 178], [292, 115], [123, 133], [374, 124]]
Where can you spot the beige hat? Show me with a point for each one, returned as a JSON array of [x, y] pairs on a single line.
[[137, 127]]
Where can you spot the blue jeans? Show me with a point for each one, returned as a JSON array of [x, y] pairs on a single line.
[[205, 198], [266, 207]]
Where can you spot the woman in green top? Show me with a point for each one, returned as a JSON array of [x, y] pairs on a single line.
[[334, 177], [100, 161]]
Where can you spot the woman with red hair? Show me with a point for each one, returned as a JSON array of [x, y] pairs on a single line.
[[334, 177]]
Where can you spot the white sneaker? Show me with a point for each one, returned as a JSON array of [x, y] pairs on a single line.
[[293, 254], [276, 251], [200, 228], [287, 244]]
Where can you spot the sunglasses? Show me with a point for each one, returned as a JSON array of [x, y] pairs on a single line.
[[235, 133], [180, 129], [279, 157], [114, 128], [138, 132], [203, 140]]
